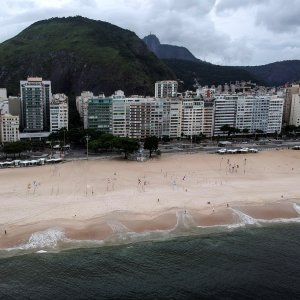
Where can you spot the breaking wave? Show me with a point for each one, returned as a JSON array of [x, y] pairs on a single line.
[[244, 218], [43, 239], [54, 238], [296, 207]]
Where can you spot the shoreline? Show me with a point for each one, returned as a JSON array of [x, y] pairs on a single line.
[[94, 200], [102, 228]]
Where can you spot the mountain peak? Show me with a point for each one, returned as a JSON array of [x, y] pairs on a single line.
[[152, 42], [165, 51], [77, 54]]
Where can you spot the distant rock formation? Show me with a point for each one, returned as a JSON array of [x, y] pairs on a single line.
[[165, 51]]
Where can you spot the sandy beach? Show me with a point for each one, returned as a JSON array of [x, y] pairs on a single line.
[[94, 199]]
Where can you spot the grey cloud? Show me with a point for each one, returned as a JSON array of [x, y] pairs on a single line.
[[189, 23], [280, 17], [227, 5]]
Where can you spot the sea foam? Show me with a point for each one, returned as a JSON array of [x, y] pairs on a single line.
[[184, 220], [296, 208], [44, 239], [244, 218]]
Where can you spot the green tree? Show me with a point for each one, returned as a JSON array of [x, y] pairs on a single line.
[[151, 144], [289, 129], [245, 131], [226, 128], [104, 142], [76, 135], [126, 145], [15, 148], [166, 139]]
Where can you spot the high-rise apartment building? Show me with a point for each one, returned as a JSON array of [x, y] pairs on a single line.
[[166, 88], [9, 128], [99, 114], [249, 112], [208, 120], [294, 89], [3, 94], [139, 117], [275, 114], [59, 112], [35, 100], [225, 112], [14, 106], [295, 110], [4, 108], [192, 116]]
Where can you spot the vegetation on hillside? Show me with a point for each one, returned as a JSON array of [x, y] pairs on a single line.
[[79, 54], [206, 73], [277, 73]]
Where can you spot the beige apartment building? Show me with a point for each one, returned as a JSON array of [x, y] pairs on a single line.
[[9, 128]]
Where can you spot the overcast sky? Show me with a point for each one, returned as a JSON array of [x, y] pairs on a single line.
[[227, 32]]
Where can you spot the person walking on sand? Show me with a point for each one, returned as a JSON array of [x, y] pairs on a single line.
[[5, 232]]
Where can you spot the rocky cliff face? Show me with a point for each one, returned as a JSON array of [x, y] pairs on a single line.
[[165, 51]]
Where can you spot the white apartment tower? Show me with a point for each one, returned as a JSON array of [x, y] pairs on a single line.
[[35, 100], [166, 89], [192, 116], [9, 128], [275, 114], [225, 112], [59, 112], [3, 93], [166, 117], [249, 112]]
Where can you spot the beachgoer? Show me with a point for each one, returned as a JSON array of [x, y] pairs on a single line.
[[5, 232], [157, 199]]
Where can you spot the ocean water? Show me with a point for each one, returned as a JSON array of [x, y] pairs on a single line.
[[257, 260]]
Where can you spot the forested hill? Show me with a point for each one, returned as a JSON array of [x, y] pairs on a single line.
[[208, 74], [78, 54]]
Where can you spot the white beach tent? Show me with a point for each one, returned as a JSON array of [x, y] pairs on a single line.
[[24, 163], [17, 162], [41, 161], [33, 162]]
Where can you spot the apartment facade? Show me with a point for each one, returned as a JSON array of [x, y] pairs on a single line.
[[14, 106], [225, 112], [99, 114], [166, 89], [35, 100], [59, 112], [275, 114], [208, 120], [9, 128], [3, 93], [295, 111], [249, 112], [294, 89], [192, 116]]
